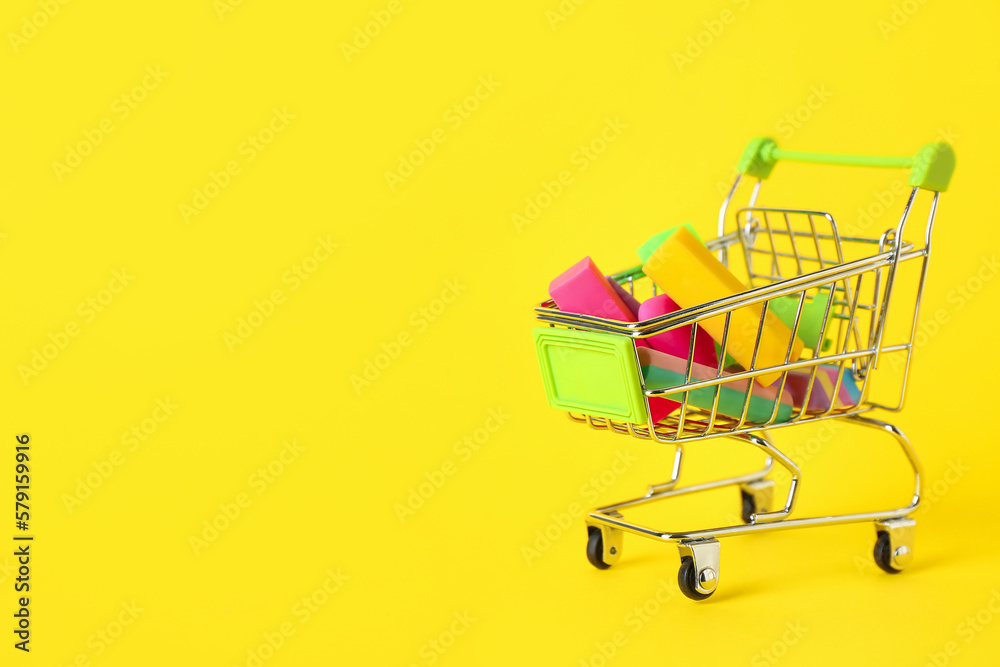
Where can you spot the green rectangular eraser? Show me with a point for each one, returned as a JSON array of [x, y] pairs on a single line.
[[590, 373]]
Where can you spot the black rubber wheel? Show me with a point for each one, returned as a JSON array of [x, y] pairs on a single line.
[[883, 553], [595, 548], [687, 579], [748, 508]]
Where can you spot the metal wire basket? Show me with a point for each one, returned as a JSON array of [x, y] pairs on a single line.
[[794, 259]]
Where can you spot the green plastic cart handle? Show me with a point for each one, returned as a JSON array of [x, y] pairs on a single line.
[[931, 168]]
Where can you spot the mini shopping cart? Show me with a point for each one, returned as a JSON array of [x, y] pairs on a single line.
[[591, 368]]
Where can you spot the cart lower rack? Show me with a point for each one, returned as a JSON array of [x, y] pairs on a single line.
[[795, 261]]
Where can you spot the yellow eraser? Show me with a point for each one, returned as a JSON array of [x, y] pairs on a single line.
[[691, 275]]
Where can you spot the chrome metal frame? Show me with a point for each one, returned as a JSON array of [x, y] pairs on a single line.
[[860, 342], [609, 515]]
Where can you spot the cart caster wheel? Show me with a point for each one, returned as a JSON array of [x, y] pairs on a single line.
[[595, 548], [894, 546], [699, 574], [883, 553], [687, 579]]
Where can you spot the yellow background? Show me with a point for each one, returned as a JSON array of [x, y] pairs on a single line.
[[875, 86]]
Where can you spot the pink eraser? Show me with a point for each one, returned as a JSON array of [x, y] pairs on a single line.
[[584, 289], [627, 299], [677, 342]]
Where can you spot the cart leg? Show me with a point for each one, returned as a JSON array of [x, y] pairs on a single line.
[[675, 474], [904, 443], [760, 516], [698, 576], [757, 497], [894, 546]]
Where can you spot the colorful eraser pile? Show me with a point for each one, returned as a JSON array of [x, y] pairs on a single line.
[[662, 371], [822, 394], [585, 290], [686, 270], [811, 320], [677, 341], [689, 275]]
